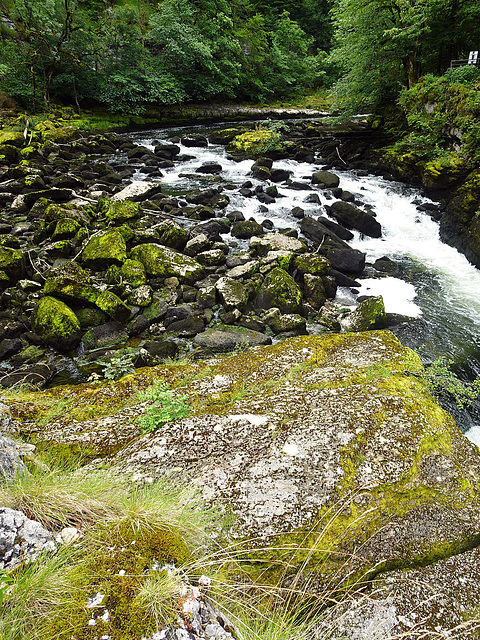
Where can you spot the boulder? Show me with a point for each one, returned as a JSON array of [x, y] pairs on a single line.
[[228, 338], [113, 306], [209, 167], [370, 314], [275, 242], [133, 273], [172, 235], [290, 323], [325, 179], [56, 324], [279, 290], [337, 469], [119, 211], [345, 259], [311, 263], [104, 249], [354, 218], [109, 334], [208, 197], [247, 229], [138, 190], [70, 283], [11, 464], [164, 262], [232, 294]]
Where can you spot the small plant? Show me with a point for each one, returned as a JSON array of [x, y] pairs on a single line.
[[442, 380], [164, 408], [119, 366]]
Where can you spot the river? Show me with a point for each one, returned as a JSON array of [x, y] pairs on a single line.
[[434, 284]]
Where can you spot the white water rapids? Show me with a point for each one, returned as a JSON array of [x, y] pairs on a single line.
[[434, 283]]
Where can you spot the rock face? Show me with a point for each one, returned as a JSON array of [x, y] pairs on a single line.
[[11, 464], [361, 468]]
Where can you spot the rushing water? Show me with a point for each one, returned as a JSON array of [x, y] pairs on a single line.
[[434, 284]]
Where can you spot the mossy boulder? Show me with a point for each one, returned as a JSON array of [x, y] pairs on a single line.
[[104, 249], [172, 235], [113, 306], [232, 293], [164, 262], [311, 263], [66, 229], [71, 284], [439, 175], [315, 290], [133, 273], [279, 290], [370, 314], [12, 263], [56, 324], [9, 154], [119, 212]]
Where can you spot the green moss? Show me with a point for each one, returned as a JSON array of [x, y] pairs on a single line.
[[65, 229], [133, 272], [120, 212], [56, 323], [12, 263], [164, 262], [113, 306], [280, 290], [104, 249], [116, 565]]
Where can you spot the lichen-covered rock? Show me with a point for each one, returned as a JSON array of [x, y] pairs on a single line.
[[11, 464], [290, 323], [315, 290], [70, 283], [275, 242], [343, 470], [21, 539], [12, 263], [165, 262], [137, 191], [441, 600], [280, 290], [66, 229], [56, 324], [172, 235], [370, 314], [104, 249], [233, 294]]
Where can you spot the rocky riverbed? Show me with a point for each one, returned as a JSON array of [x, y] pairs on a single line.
[[98, 265]]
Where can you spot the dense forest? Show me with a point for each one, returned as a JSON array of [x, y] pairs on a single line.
[[128, 54]]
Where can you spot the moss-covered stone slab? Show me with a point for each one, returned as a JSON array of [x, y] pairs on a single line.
[[311, 263], [333, 454], [229, 338], [165, 262], [104, 249], [118, 212], [56, 324], [279, 290]]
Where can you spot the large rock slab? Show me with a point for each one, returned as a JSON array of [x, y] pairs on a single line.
[[438, 601], [352, 217], [332, 453]]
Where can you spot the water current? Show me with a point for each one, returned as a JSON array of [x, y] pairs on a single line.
[[433, 284]]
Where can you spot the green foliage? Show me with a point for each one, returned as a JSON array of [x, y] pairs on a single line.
[[442, 381], [165, 407], [120, 365], [264, 138]]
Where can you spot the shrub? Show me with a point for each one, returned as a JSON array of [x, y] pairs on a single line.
[[164, 408]]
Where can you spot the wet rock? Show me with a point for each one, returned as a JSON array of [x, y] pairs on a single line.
[[291, 323], [195, 140], [186, 327], [208, 197], [172, 235], [345, 259], [36, 376], [224, 340], [209, 168], [354, 218], [385, 265], [311, 263], [9, 347], [280, 175], [337, 229], [161, 349], [167, 151], [247, 229], [325, 179], [119, 211]]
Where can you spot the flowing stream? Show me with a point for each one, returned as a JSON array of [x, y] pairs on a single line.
[[433, 284]]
